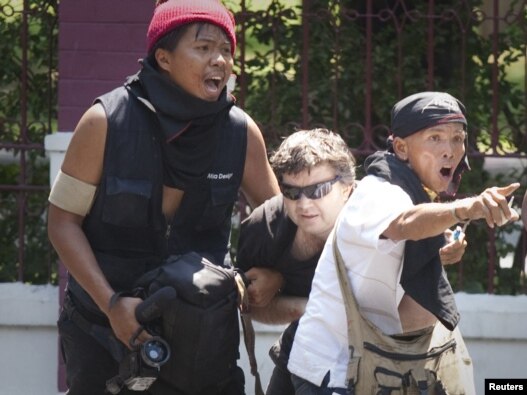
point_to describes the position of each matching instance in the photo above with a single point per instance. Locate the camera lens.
(155, 352)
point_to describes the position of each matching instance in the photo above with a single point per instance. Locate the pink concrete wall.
(100, 42)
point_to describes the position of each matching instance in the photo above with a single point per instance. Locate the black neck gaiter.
(189, 126)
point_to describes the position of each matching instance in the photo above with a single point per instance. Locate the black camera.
(139, 368)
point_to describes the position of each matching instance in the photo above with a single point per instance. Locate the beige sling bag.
(432, 361)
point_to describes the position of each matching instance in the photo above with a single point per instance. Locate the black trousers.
(280, 383)
(89, 365)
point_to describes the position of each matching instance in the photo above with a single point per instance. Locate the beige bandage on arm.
(71, 194)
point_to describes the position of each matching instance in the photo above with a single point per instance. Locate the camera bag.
(432, 361)
(201, 325)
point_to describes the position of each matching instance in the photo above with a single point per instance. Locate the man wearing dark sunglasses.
(391, 236)
(281, 241)
(313, 191)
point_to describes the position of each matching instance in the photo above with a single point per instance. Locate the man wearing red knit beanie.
(169, 15)
(153, 169)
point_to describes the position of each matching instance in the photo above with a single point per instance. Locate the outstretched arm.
(431, 219)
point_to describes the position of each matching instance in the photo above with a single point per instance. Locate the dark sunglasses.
(315, 191)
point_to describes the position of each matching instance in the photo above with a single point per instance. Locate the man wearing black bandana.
(394, 237)
(154, 168)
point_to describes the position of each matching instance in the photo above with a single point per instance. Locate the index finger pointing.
(509, 189)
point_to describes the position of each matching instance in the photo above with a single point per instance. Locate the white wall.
(28, 339)
(495, 331)
(494, 327)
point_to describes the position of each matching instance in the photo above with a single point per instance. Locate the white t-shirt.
(374, 268)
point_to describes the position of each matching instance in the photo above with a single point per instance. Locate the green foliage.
(337, 84)
(337, 32)
(28, 97)
(271, 65)
(40, 59)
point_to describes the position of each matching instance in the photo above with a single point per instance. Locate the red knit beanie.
(170, 14)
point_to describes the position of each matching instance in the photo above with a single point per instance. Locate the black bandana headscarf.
(426, 109)
(423, 276)
(189, 126)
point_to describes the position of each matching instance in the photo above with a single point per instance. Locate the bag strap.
(102, 334)
(353, 321)
(248, 330)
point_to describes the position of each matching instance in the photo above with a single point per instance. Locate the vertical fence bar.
(22, 180)
(399, 73)
(491, 250)
(241, 205)
(274, 125)
(430, 45)
(242, 43)
(495, 71)
(463, 66)
(368, 77)
(305, 62)
(335, 86)
(495, 131)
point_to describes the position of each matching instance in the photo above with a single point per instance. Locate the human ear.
(162, 59)
(347, 189)
(400, 147)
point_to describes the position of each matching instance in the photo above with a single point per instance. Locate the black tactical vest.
(125, 226)
(203, 220)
